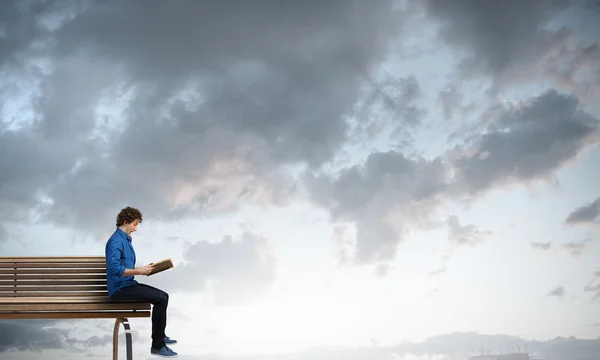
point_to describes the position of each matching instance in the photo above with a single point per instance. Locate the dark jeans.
(158, 298)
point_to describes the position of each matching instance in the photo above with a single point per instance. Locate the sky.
(332, 179)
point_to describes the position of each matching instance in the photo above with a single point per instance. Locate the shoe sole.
(169, 356)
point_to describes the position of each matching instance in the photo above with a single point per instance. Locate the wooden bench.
(70, 287)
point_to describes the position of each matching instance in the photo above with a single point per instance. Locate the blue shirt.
(119, 256)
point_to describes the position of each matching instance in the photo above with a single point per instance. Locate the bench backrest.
(45, 276)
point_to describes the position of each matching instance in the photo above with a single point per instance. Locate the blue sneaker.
(163, 351)
(168, 340)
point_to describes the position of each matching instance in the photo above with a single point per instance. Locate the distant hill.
(464, 345)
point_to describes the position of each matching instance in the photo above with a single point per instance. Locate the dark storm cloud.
(498, 33)
(526, 142)
(211, 101)
(282, 74)
(35, 335)
(367, 193)
(39, 335)
(28, 168)
(3, 233)
(205, 101)
(234, 269)
(515, 42)
(388, 106)
(452, 102)
(586, 214)
(390, 193)
(20, 24)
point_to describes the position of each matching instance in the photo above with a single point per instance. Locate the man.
(120, 273)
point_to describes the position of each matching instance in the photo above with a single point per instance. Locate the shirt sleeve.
(113, 259)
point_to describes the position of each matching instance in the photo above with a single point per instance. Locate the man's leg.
(158, 298)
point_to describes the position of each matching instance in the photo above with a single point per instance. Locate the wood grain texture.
(75, 315)
(43, 287)
(52, 259)
(74, 306)
(42, 271)
(12, 289)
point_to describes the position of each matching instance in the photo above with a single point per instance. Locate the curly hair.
(128, 215)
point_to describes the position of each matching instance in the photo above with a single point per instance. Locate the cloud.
(531, 46)
(388, 106)
(382, 270)
(28, 171)
(35, 335)
(442, 269)
(541, 246)
(559, 291)
(525, 141)
(458, 236)
(574, 248)
(593, 286)
(343, 244)
(3, 233)
(235, 270)
(384, 197)
(178, 121)
(391, 194)
(25, 22)
(451, 101)
(577, 248)
(29, 336)
(585, 214)
(464, 235)
(475, 25)
(204, 126)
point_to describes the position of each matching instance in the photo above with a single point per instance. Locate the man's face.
(132, 226)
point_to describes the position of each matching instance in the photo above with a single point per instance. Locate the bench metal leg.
(127, 338)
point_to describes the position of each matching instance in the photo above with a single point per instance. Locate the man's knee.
(164, 298)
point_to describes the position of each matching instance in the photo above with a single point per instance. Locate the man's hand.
(145, 270)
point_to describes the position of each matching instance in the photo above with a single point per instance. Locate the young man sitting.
(120, 273)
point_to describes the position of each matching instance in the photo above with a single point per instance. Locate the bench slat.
(74, 307)
(54, 288)
(20, 283)
(67, 287)
(52, 259)
(100, 270)
(58, 300)
(75, 315)
(53, 293)
(55, 266)
(53, 276)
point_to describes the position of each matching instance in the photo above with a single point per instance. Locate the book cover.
(161, 266)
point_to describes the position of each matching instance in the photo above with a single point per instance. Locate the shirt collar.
(122, 233)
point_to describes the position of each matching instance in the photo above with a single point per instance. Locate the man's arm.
(131, 272)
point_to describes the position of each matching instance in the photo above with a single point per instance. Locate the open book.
(161, 266)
